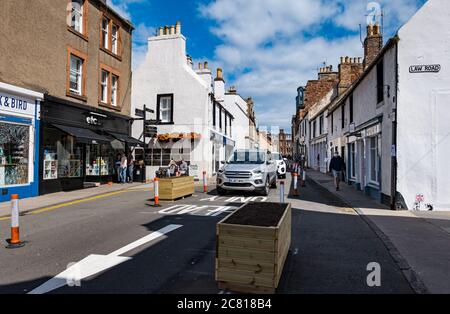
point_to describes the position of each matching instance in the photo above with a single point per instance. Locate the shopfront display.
(80, 145)
(19, 129)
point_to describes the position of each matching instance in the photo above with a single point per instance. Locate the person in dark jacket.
(337, 167)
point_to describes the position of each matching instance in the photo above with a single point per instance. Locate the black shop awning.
(127, 139)
(84, 135)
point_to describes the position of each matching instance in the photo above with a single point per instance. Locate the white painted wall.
(166, 71)
(424, 108)
(237, 106)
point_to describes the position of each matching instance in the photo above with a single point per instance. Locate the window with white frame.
(105, 33)
(114, 87)
(76, 75)
(165, 108)
(374, 160)
(115, 39)
(104, 86)
(76, 15)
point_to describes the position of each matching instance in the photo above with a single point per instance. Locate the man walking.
(337, 167)
(123, 169)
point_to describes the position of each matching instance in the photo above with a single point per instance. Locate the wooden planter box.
(252, 249)
(177, 187)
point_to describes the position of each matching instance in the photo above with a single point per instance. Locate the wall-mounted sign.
(433, 68)
(93, 120)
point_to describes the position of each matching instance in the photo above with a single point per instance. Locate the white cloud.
(271, 47)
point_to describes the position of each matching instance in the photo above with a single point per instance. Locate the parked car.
(281, 165)
(248, 170)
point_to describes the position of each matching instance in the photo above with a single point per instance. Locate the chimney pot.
(347, 59)
(200, 65)
(178, 28)
(172, 30)
(161, 31)
(342, 59)
(370, 30)
(206, 65)
(166, 30)
(219, 74)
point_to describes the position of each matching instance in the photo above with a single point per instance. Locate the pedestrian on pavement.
(123, 168)
(337, 168)
(130, 169)
(117, 165)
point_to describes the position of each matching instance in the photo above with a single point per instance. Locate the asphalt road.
(331, 246)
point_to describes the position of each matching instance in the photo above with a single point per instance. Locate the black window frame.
(380, 81)
(158, 111)
(343, 117)
(351, 108)
(214, 114)
(220, 118)
(332, 122)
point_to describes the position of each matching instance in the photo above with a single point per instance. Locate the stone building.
(78, 54)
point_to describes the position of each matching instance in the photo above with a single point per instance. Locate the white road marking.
(144, 240)
(94, 264)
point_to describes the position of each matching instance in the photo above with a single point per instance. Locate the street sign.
(151, 131)
(140, 113)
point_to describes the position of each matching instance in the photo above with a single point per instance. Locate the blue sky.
(267, 48)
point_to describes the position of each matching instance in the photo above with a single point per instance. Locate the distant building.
(285, 144)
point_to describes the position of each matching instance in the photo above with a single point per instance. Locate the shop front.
(80, 145)
(19, 139)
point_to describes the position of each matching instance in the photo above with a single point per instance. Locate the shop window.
(165, 108)
(100, 160)
(14, 154)
(161, 157)
(374, 160)
(62, 156)
(77, 16)
(353, 160)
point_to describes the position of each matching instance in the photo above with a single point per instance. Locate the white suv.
(281, 165)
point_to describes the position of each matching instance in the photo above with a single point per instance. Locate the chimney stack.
(373, 44)
(349, 71)
(178, 28)
(219, 85)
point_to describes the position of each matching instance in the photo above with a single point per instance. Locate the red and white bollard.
(281, 192)
(156, 192)
(15, 242)
(205, 183)
(296, 184)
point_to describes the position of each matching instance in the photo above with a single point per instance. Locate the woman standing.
(130, 170)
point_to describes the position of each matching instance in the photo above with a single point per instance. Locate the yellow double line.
(84, 200)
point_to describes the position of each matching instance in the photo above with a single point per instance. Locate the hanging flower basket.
(163, 137)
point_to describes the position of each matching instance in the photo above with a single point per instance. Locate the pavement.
(47, 201)
(120, 243)
(418, 241)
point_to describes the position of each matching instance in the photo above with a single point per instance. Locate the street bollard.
(205, 184)
(15, 242)
(296, 184)
(156, 192)
(281, 192)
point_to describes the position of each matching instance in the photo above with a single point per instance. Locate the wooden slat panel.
(246, 267)
(267, 245)
(246, 231)
(244, 279)
(249, 255)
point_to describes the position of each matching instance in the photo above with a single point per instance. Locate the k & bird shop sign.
(433, 68)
